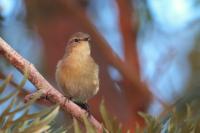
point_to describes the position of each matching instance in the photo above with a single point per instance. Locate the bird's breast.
(78, 77)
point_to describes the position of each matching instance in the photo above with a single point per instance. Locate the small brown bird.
(77, 74)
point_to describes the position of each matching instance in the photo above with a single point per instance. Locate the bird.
(77, 74)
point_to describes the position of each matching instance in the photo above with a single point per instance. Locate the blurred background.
(148, 50)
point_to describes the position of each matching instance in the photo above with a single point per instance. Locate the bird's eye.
(76, 40)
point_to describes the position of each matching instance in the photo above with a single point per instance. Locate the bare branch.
(42, 84)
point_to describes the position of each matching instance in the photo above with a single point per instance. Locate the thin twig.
(24, 91)
(43, 85)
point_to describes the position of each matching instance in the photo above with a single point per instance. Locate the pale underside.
(77, 76)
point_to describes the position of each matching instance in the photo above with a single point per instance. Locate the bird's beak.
(87, 39)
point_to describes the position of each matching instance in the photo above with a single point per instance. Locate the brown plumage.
(77, 72)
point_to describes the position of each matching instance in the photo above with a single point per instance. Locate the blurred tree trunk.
(55, 24)
(128, 24)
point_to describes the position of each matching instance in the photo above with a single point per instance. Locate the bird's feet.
(84, 106)
(66, 100)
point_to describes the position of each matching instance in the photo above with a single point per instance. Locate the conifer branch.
(42, 85)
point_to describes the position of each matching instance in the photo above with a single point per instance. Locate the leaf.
(26, 123)
(153, 125)
(76, 126)
(137, 129)
(111, 123)
(7, 97)
(41, 124)
(89, 127)
(189, 111)
(5, 83)
(23, 81)
(6, 111)
(106, 118)
(27, 105)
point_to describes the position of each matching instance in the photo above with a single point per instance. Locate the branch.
(129, 30)
(42, 84)
(24, 91)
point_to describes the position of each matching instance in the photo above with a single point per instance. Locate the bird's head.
(79, 42)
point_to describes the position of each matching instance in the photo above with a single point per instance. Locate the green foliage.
(181, 120)
(184, 118)
(76, 126)
(18, 119)
(110, 123)
(153, 124)
(88, 126)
